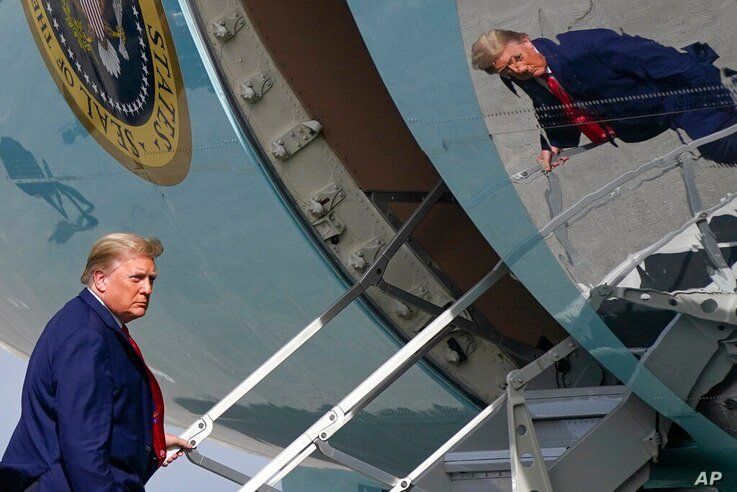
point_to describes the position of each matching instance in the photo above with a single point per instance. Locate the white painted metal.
(203, 427)
(255, 87)
(525, 458)
(519, 379)
(356, 464)
(226, 27)
(305, 174)
(342, 413)
(295, 139)
(406, 482)
(667, 160)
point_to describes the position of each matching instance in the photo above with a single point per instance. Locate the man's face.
(126, 288)
(520, 61)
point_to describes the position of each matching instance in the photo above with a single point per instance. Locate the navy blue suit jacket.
(641, 88)
(86, 408)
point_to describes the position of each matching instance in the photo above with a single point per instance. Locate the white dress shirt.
(120, 325)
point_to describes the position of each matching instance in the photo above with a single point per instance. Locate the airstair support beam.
(204, 425)
(481, 461)
(355, 464)
(705, 323)
(371, 387)
(220, 469)
(529, 473)
(627, 437)
(518, 350)
(630, 432)
(517, 380)
(631, 414)
(719, 307)
(410, 481)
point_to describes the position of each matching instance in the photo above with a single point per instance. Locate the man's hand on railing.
(178, 442)
(549, 159)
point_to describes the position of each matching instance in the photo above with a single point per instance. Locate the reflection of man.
(608, 85)
(92, 411)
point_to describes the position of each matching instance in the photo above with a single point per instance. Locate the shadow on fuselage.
(30, 177)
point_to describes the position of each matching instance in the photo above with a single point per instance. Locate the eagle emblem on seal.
(116, 64)
(96, 31)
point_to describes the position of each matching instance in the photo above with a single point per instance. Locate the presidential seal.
(115, 63)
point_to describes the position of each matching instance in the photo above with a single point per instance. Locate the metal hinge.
(406, 310)
(295, 139)
(325, 200)
(330, 227)
(254, 88)
(226, 27)
(460, 346)
(366, 254)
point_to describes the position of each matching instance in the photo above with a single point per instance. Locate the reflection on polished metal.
(588, 202)
(667, 161)
(722, 276)
(531, 173)
(554, 197)
(720, 272)
(203, 427)
(720, 307)
(370, 388)
(639, 257)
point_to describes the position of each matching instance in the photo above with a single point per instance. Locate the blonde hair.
(490, 45)
(118, 246)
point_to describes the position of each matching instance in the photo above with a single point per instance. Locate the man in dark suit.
(608, 85)
(92, 411)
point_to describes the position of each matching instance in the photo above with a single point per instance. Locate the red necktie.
(596, 132)
(158, 400)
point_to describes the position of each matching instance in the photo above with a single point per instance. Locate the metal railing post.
(365, 392)
(203, 426)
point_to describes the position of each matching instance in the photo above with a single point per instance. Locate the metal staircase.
(526, 440)
(565, 439)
